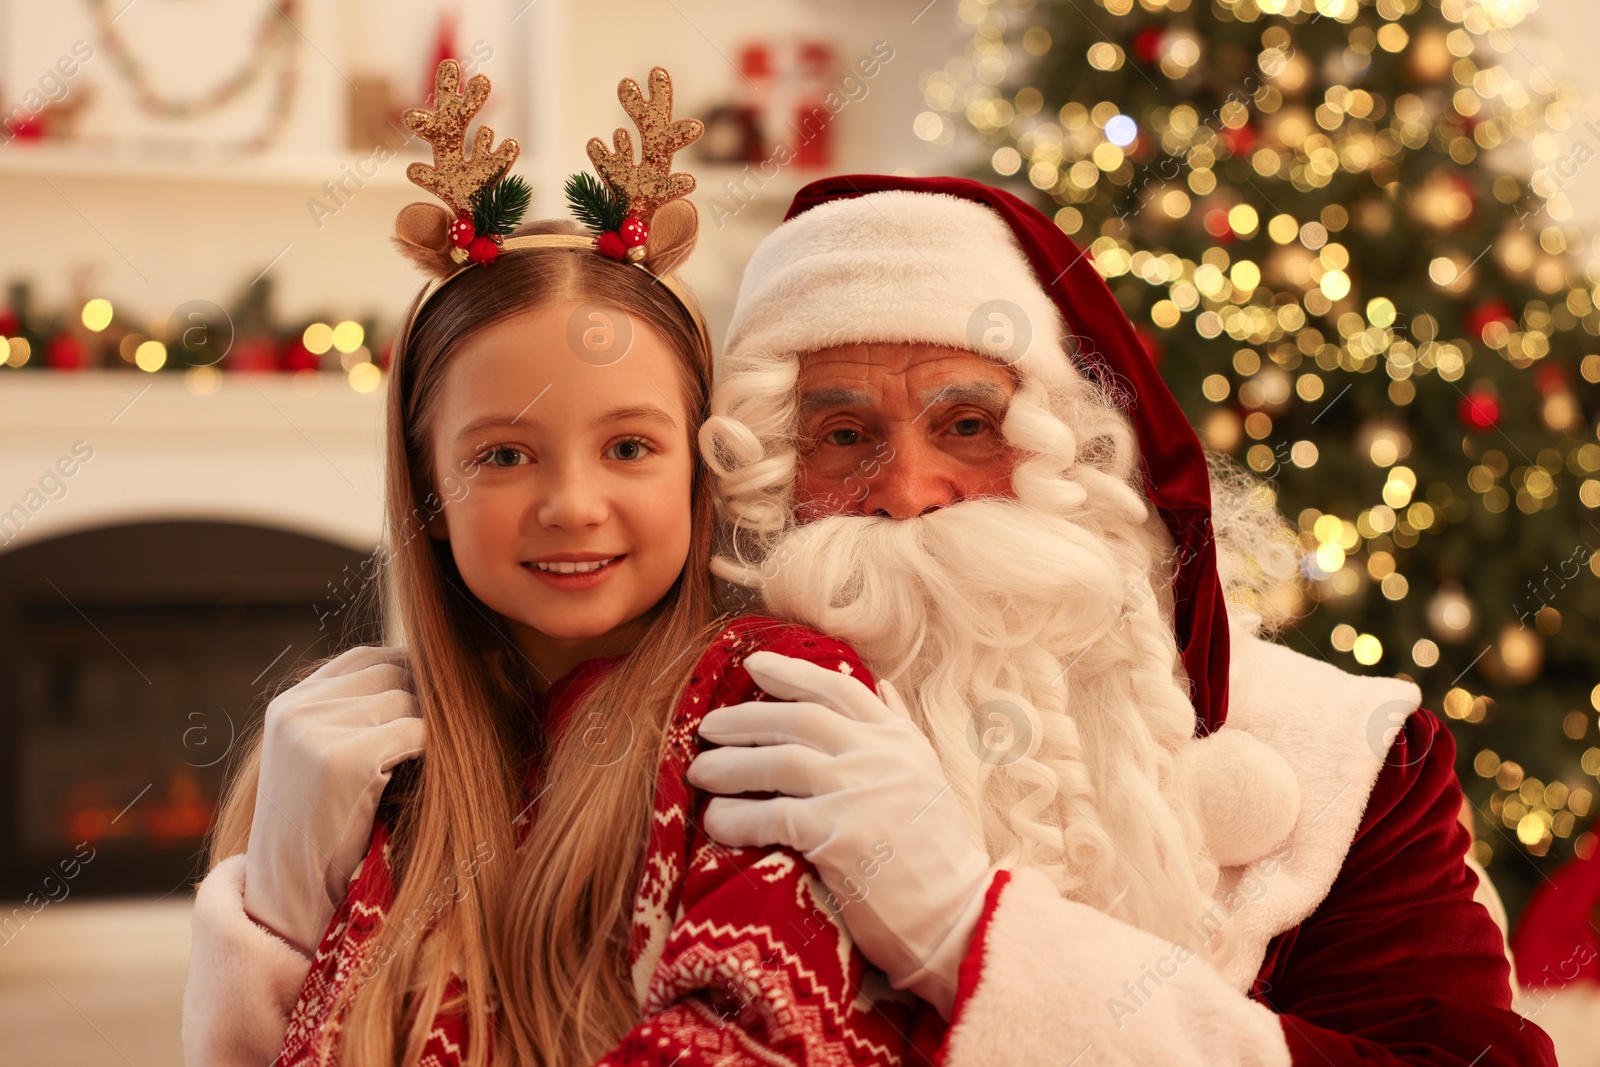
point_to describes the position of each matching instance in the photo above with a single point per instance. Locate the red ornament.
(66, 352)
(483, 250)
(1550, 378)
(1217, 225)
(611, 244)
(1147, 45)
(1479, 410)
(634, 232)
(1240, 141)
(1487, 313)
(461, 232)
(8, 322)
(296, 356)
(257, 355)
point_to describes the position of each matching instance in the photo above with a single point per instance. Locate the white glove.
(329, 746)
(867, 804)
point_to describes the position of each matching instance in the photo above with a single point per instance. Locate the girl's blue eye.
(629, 450)
(504, 456)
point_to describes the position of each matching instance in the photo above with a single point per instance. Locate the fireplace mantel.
(258, 451)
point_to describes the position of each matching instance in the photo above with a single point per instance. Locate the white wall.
(155, 236)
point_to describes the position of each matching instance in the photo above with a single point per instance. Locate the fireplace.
(139, 660)
(174, 556)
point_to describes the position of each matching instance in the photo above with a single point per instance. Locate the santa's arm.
(1397, 966)
(243, 980)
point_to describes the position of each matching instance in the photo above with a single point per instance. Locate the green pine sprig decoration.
(498, 210)
(594, 204)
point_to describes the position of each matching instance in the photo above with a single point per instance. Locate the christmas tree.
(1322, 218)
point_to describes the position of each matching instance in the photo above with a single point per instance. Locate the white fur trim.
(1063, 996)
(1247, 795)
(1334, 729)
(243, 982)
(895, 266)
(1055, 959)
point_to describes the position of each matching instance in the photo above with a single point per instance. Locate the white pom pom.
(1247, 795)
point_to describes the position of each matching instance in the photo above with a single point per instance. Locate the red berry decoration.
(634, 232)
(461, 232)
(1479, 410)
(611, 244)
(483, 250)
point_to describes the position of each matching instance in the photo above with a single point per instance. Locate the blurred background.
(1356, 235)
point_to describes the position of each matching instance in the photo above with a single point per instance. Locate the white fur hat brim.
(896, 266)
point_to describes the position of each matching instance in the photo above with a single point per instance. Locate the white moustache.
(996, 572)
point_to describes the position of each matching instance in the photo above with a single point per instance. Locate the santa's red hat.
(874, 258)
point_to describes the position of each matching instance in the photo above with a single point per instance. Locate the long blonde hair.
(547, 925)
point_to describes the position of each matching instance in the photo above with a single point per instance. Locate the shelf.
(280, 168)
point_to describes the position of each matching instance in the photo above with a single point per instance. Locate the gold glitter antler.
(454, 178)
(649, 183)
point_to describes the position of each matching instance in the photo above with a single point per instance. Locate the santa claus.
(1123, 826)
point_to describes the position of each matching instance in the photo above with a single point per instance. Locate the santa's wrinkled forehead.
(815, 400)
(924, 375)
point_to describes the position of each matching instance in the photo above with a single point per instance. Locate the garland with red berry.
(497, 211)
(619, 234)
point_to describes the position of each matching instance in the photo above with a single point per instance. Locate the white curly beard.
(1032, 652)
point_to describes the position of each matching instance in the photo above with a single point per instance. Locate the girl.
(537, 889)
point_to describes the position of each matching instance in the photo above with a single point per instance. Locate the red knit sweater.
(754, 964)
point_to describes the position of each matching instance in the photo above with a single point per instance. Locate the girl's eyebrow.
(641, 412)
(638, 412)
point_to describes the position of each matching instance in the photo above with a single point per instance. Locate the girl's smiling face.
(575, 518)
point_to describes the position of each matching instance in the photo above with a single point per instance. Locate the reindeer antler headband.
(638, 214)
